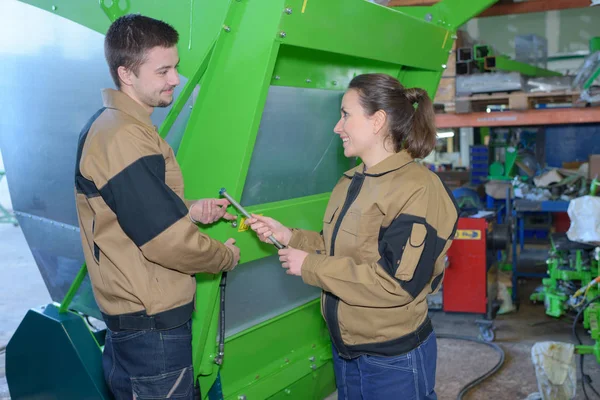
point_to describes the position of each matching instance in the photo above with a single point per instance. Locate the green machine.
(572, 286)
(503, 151)
(504, 171)
(263, 84)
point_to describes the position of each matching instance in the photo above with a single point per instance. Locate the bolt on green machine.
(264, 84)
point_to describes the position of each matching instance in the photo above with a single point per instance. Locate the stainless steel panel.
(296, 152)
(261, 290)
(53, 71)
(57, 251)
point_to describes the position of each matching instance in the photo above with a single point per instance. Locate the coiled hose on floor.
(483, 377)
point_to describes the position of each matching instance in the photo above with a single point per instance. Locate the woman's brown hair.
(410, 115)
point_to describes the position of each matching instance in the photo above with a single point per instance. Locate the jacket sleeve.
(309, 241)
(130, 175)
(408, 249)
(188, 203)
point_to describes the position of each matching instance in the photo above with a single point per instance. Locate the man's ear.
(125, 76)
(379, 121)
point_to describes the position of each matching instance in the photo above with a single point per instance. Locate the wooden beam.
(523, 7)
(557, 116)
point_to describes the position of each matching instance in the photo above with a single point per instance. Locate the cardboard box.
(498, 189)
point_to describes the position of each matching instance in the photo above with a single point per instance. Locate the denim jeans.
(410, 376)
(150, 364)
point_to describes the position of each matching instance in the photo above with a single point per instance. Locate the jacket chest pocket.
(359, 235)
(330, 213)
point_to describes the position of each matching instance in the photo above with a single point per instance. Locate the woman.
(386, 230)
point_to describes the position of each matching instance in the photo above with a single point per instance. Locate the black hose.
(222, 285)
(483, 377)
(584, 378)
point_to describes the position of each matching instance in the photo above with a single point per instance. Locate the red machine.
(465, 281)
(470, 283)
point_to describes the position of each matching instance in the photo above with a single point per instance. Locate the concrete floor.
(21, 288)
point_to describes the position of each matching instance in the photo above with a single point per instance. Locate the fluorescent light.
(444, 135)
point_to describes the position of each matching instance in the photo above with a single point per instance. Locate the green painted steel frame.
(236, 58)
(591, 322)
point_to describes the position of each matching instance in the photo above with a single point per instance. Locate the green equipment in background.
(572, 286)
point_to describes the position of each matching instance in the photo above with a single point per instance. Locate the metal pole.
(245, 213)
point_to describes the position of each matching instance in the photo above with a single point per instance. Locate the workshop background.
(516, 88)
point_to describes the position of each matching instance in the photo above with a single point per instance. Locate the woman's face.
(356, 129)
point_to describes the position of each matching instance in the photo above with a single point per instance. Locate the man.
(140, 240)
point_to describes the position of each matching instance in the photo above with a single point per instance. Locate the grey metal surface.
(53, 71)
(56, 250)
(261, 290)
(488, 83)
(549, 83)
(296, 152)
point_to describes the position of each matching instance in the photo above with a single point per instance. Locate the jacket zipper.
(330, 303)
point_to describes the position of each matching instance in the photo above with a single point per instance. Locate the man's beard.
(163, 104)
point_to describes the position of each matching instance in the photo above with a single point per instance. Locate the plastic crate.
(479, 161)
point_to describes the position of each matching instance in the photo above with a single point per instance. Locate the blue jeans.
(149, 364)
(410, 376)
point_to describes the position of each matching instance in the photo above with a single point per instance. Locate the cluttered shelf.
(560, 106)
(519, 118)
(483, 88)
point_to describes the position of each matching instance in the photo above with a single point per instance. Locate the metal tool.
(245, 213)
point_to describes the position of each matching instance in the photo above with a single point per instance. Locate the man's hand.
(207, 211)
(230, 243)
(265, 227)
(292, 260)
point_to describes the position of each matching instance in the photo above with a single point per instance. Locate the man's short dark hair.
(130, 37)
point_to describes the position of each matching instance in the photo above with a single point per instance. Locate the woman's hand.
(292, 260)
(265, 227)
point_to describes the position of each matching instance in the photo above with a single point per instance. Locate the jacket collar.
(120, 101)
(392, 163)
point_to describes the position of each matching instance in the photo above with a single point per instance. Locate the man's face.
(157, 77)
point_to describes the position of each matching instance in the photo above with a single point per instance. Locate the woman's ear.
(379, 121)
